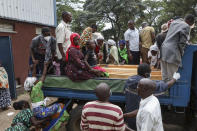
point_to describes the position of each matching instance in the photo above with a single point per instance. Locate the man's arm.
(126, 37)
(60, 47)
(84, 122)
(128, 129)
(33, 45)
(161, 86)
(53, 48)
(44, 71)
(184, 34)
(153, 35)
(36, 122)
(120, 125)
(176, 76)
(131, 114)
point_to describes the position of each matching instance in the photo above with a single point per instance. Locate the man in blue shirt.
(133, 100)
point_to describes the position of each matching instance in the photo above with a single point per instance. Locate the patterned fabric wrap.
(105, 73)
(3, 78)
(85, 36)
(5, 99)
(22, 121)
(43, 112)
(18, 127)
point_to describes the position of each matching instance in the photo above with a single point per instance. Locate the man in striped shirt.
(101, 115)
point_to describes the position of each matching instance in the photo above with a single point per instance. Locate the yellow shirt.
(146, 36)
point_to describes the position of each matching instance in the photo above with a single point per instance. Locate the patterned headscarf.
(73, 35)
(122, 42)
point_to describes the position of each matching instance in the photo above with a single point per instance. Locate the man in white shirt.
(63, 32)
(132, 42)
(149, 114)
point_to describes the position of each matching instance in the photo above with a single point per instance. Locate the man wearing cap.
(161, 36)
(174, 45)
(132, 43)
(147, 38)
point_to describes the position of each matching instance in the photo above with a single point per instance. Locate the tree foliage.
(118, 12)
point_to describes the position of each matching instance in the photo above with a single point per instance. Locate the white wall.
(35, 11)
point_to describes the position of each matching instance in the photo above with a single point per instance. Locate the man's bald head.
(146, 87)
(103, 92)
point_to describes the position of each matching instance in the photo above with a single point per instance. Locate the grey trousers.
(168, 70)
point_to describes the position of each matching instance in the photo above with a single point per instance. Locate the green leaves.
(119, 12)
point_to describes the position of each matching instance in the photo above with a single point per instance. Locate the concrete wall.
(21, 40)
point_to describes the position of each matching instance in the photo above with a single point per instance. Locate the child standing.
(57, 71)
(122, 52)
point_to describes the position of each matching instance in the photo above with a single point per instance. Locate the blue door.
(6, 59)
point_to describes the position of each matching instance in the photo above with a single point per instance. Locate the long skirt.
(5, 99)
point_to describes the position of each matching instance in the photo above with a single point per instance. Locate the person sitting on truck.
(42, 49)
(123, 55)
(101, 114)
(77, 69)
(91, 58)
(149, 114)
(34, 87)
(113, 53)
(172, 49)
(132, 99)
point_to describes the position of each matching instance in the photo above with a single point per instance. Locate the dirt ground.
(8, 115)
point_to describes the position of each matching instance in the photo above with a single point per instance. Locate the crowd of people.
(78, 57)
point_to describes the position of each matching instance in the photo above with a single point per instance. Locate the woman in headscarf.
(76, 68)
(123, 52)
(5, 99)
(113, 54)
(24, 119)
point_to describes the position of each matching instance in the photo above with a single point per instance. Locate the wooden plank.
(123, 76)
(118, 66)
(125, 71)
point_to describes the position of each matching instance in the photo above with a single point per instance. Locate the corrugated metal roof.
(34, 11)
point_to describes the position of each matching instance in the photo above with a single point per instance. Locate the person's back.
(132, 100)
(149, 108)
(146, 37)
(102, 116)
(176, 37)
(113, 58)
